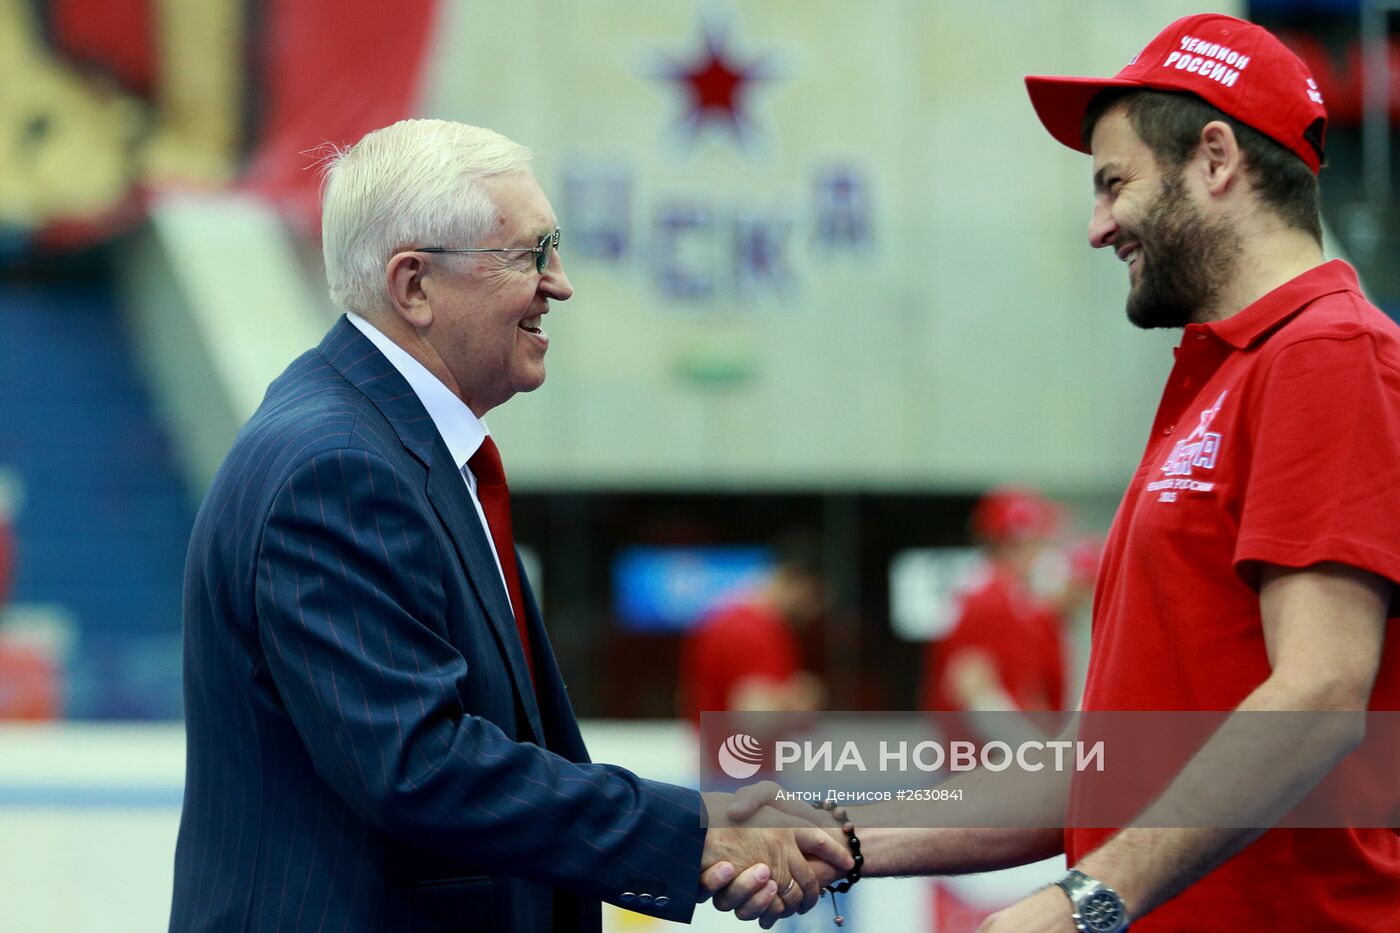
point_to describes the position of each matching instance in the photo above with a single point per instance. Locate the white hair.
(410, 184)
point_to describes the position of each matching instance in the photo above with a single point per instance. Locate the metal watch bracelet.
(1097, 908)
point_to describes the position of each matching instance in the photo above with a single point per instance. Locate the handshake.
(777, 864)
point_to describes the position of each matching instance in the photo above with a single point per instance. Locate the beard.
(1186, 260)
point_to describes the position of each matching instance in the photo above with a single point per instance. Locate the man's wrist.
(1096, 908)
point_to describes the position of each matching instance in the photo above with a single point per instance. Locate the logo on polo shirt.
(1200, 449)
(1197, 452)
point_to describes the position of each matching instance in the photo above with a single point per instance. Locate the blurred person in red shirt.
(746, 654)
(1007, 650)
(1007, 653)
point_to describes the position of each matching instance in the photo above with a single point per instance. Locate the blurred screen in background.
(670, 589)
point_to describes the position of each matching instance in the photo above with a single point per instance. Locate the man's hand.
(770, 872)
(749, 800)
(1045, 911)
(765, 801)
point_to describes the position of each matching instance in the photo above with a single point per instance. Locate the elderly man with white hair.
(379, 735)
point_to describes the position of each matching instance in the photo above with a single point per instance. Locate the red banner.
(121, 99)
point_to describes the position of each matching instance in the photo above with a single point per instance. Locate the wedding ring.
(784, 891)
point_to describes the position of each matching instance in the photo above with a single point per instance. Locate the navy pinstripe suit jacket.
(365, 750)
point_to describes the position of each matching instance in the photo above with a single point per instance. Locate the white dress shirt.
(459, 426)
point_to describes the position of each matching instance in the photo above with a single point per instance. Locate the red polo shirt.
(736, 642)
(1277, 442)
(1017, 632)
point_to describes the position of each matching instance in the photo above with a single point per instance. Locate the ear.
(406, 276)
(1219, 156)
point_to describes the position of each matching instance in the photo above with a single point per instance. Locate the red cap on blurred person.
(1012, 513)
(1237, 67)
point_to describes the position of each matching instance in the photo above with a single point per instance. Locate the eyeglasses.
(543, 250)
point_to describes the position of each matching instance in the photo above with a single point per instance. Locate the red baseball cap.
(1237, 67)
(1012, 513)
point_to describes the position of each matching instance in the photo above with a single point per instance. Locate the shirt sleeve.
(1323, 482)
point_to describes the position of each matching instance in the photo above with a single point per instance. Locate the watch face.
(1101, 912)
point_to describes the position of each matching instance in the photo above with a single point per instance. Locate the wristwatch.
(1097, 909)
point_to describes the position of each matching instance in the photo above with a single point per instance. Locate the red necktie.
(494, 496)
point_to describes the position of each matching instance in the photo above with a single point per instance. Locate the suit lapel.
(360, 362)
(556, 712)
(448, 493)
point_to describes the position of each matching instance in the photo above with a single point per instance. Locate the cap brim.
(1061, 102)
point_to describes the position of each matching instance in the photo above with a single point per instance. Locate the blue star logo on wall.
(715, 83)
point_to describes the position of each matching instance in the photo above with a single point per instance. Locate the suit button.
(627, 897)
(662, 901)
(643, 898)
